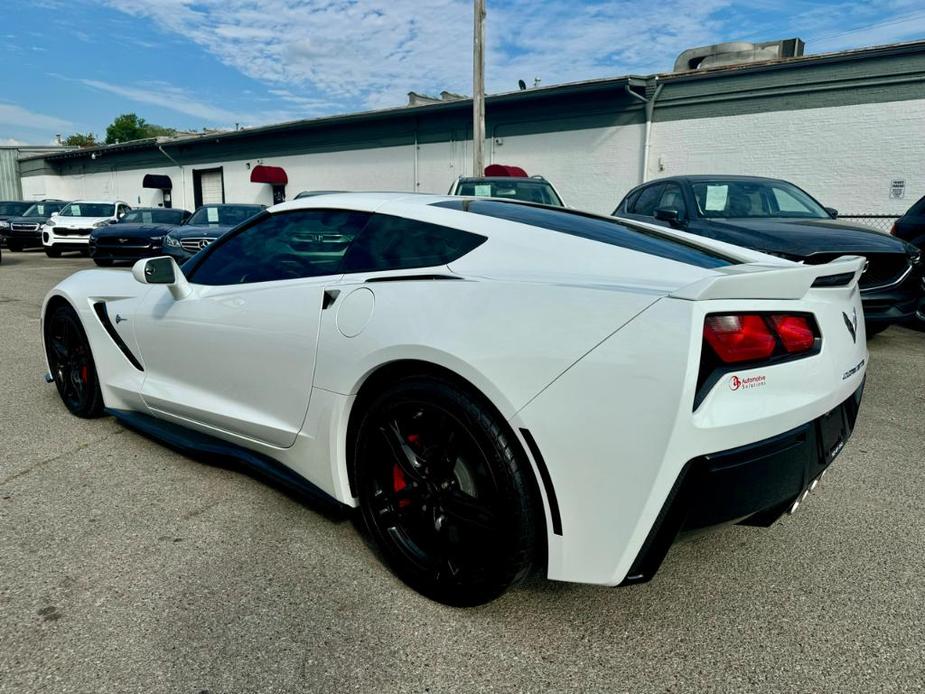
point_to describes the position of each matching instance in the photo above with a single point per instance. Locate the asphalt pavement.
(127, 567)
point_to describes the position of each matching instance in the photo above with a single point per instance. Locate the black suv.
(25, 230)
(8, 209)
(776, 217)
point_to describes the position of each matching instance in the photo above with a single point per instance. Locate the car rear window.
(593, 228)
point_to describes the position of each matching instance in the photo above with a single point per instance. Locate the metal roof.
(551, 91)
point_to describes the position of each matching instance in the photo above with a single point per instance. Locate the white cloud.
(11, 142)
(166, 96)
(15, 116)
(332, 54)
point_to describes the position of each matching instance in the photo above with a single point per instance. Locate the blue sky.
(73, 65)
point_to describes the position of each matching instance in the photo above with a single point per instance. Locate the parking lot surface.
(127, 567)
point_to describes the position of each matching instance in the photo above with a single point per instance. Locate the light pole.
(478, 89)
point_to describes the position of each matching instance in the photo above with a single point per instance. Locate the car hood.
(79, 222)
(132, 229)
(199, 231)
(803, 237)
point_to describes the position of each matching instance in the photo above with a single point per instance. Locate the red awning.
(505, 170)
(274, 175)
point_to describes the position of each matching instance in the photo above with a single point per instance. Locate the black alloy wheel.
(71, 363)
(445, 494)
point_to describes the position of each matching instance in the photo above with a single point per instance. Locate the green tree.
(129, 126)
(81, 140)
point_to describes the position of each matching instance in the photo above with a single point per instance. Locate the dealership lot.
(129, 567)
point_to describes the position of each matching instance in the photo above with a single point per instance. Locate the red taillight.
(739, 337)
(795, 332)
(893, 229)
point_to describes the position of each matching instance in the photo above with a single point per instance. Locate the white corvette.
(499, 387)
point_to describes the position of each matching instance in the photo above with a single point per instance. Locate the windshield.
(154, 216)
(755, 199)
(43, 209)
(223, 215)
(528, 190)
(88, 209)
(13, 209)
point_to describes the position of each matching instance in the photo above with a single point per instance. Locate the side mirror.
(667, 214)
(163, 270)
(833, 213)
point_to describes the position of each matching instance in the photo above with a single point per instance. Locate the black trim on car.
(752, 485)
(555, 517)
(261, 466)
(839, 280)
(413, 278)
(103, 314)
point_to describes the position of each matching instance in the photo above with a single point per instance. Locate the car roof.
(98, 202)
(502, 179)
(713, 177)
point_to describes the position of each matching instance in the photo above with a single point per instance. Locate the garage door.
(211, 182)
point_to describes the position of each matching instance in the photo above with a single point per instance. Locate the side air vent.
(100, 308)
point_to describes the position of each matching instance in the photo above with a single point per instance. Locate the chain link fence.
(880, 222)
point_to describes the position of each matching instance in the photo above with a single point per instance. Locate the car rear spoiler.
(760, 281)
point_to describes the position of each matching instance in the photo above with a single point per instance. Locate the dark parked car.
(8, 209)
(25, 230)
(776, 217)
(139, 234)
(911, 228)
(207, 224)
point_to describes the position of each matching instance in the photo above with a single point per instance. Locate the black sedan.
(776, 217)
(207, 224)
(25, 230)
(911, 228)
(139, 234)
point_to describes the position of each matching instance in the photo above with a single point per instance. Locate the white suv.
(69, 229)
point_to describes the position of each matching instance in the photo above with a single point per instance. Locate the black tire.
(71, 362)
(875, 329)
(445, 492)
(85, 252)
(14, 246)
(52, 252)
(103, 262)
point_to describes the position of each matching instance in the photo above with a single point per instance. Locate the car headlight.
(4, 224)
(104, 223)
(49, 224)
(915, 258)
(171, 241)
(157, 239)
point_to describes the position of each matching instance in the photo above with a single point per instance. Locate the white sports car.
(499, 387)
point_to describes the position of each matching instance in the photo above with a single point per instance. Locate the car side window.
(629, 203)
(673, 198)
(395, 243)
(648, 200)
(286, 245)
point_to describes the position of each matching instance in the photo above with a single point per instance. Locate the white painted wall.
(844, 156)
(588, 167)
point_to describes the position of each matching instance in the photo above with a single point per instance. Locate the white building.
(848, 127)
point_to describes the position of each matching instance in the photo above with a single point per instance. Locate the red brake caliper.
(84, 374)
(399, 482)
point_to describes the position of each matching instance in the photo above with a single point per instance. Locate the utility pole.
(478, 90)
